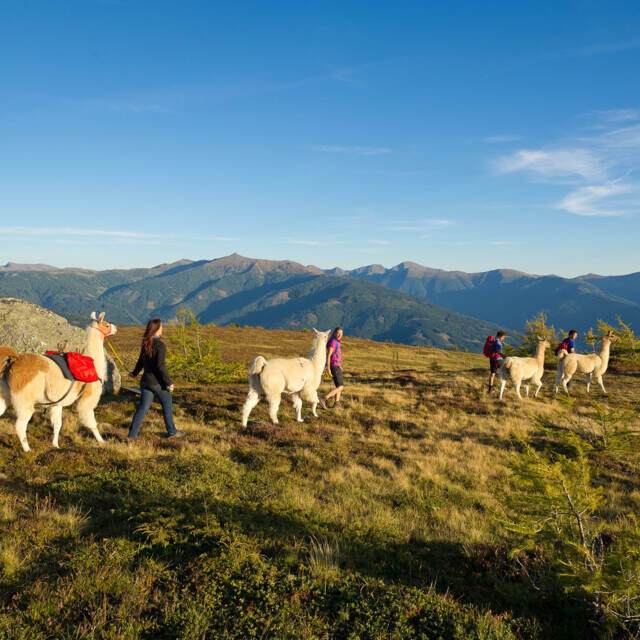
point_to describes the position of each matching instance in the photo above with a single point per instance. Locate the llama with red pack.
(58, 380)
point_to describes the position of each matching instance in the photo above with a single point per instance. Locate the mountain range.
(407, 303)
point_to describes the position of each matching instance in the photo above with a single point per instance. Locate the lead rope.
(116, 355)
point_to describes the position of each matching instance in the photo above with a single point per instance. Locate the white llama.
(298, 377)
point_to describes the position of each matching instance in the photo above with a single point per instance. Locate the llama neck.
(540, 354)
(318, 357)
(95, 349)
(604, 353)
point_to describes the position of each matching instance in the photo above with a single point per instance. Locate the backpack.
(487, 350)
(82, 367)
(564, 345)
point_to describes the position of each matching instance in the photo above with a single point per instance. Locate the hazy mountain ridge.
(236, 289)
(407, 303)
(509, 297)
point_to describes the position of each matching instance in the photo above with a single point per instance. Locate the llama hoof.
(299, 420)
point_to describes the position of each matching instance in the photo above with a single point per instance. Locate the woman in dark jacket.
(155, 383)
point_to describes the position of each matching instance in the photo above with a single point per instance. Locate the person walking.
(334, 367)
(155, 382)
(494, 349)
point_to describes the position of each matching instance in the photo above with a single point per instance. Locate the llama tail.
(508, 363)
(256, 367)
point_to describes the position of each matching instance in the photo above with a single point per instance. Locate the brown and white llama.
(593, 364)
(29, 380)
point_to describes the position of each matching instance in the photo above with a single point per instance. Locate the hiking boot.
(337, 404)
(323, 404)
(177, 434)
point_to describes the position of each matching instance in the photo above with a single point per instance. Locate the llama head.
(100, 324)
(321, 336)
(543, 342)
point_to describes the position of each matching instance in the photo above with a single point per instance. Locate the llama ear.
(93, 315)
(101, 317)
(315, 330)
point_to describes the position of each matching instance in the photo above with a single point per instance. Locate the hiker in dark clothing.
(155, 383)
(496, 357)
(569, 343)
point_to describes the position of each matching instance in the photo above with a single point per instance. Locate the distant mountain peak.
(16, 266)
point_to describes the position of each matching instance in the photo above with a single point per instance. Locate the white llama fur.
(592, 364)
(31, 380)
(298, 377)
(526, 370)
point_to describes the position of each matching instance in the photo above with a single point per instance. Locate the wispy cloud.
(501, 138)
(124, 105)
(598, 200)
(615, 116)
(602, 48)
(599, 165)
(120, 236)
(75, 231)
(352, 150)
(556, 164)
(314, 243)
(420, 224)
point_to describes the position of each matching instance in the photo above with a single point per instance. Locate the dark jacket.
(155, 368)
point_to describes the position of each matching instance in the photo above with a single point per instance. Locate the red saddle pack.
(82, 367)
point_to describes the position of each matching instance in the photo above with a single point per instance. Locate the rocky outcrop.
(28, 327)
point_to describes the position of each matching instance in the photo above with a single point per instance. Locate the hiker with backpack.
(569, 343)
(494, 350)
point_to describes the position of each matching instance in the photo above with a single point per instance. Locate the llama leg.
(274, 405)
(538, 387)
(55, 415)
(297, 404)
(23, 416)
(517, 386)
(526, 389)
(557, 384)
(88, 419)
(3, 405)
(503, 384)
(311, 396)
(601, 383)
(252, 400)
(589, 382)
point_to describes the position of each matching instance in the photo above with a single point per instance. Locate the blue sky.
(468, 135)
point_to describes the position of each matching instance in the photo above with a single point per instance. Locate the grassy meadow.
(421, 509)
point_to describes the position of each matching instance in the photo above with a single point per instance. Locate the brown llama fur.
(6, 355)
(30, 380)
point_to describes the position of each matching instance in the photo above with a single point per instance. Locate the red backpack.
(564, 345)
(82, 367)
(487, 350)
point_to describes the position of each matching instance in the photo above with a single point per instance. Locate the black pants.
(338, 378)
